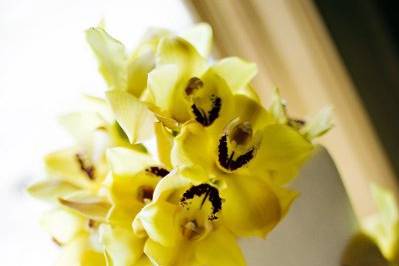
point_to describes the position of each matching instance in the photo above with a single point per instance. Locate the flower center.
(145, 193)
(191, 230)
(209, 193)
(236, 140)
(205, 108)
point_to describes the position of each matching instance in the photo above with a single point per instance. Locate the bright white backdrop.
(45, 65)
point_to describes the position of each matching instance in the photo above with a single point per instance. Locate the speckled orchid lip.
(209, 192)
(239, 134)
(203, 116)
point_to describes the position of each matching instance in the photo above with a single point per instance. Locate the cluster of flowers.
(177, 162)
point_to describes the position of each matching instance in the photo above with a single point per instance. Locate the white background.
(45, 65)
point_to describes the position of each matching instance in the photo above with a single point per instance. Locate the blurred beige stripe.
(293, 50)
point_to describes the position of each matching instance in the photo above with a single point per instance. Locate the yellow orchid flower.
(183, 86)
(383, 227)
(182, 228)
(129, 73)
(243, 160)
(134, 176)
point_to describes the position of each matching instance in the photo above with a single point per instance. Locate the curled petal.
(320, 124)
(132, 115)
(111, 56)
(80, 251)
(158, 221)
(90, 206)
(193, 152)
(122, 246)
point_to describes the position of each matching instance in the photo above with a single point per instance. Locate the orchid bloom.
(383, 227)
(183, 226)
(131, 184)
(249, 157)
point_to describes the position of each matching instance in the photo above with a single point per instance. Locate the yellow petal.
(219, 248)
(125, 161)
(62, 225)
(200, 36)
(64, 165)
(167, 256)
(111, 56)
(237, 72)
(80, 251)
(93, 207)
(318, 125)
(158, 219)
(52, 189)
(164, 144)
(162, 83)
(281, 147)
(177, 51)
(278, 108)
(251, 208)
(121, 245)
(132, 115)
(383, 226)
(193, 153)
(138, 69)
(81, 125)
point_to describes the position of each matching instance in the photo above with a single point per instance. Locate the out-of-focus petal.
(320, 124)
(237, 72)
(52, 189)
(62, 225)
(111, 56)
(200, 36)
(138, 69)
(164, 144)
(80, 251)
(162, 84)
(132, 115)
(125, 161)
(122, 246)
(90, 206)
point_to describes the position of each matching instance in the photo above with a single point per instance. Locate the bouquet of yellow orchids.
(178, 161)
